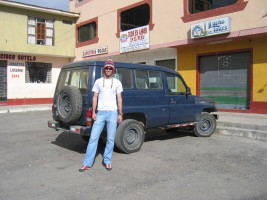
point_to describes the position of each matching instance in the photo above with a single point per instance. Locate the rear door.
(181, 106)
(143, 93)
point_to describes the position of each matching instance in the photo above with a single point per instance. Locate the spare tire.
(69, 104)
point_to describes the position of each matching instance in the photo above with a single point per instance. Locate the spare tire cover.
(69, 104)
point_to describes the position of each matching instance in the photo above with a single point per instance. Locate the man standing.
(107, 98)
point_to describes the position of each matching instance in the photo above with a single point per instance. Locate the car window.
(175, 85)
(125, 76)
(155, 80)
(141, 79)
(78, 78)
(148, 79)
(63, 79)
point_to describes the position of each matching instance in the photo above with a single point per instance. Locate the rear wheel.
(130, 136)
(205, 126)
(69, 104)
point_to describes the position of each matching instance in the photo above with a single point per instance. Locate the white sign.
(134, 39)
(209, 28)
(97, 51)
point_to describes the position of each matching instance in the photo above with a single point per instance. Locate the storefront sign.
(211, 27)
(94, 52)
(19, 57)
(16, 72)
(134, 39)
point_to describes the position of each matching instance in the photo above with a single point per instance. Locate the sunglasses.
(108, 68)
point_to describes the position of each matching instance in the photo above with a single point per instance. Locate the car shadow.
(75, 143)
(159, 134)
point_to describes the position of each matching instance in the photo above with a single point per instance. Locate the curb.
(242, 132)
(16, 110)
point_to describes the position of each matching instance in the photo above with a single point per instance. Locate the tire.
(205, 126)
(130, 136)
(69, 104)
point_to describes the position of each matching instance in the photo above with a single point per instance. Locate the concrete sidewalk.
(25, 108)
(252, 126)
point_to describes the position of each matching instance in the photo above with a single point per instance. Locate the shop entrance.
(226, 79)
(3, 80)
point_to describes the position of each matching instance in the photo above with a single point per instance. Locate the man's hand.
(94, 116)
(119, 118)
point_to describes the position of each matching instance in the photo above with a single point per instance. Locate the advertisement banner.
(134, 39)
(211, 27)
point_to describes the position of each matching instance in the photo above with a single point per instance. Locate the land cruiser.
(153, 97)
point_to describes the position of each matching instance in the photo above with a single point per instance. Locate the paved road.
(39, 163)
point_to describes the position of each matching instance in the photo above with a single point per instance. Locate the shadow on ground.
(76, 143)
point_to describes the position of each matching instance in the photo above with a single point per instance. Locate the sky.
(57, 4)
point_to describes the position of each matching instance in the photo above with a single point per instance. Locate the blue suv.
(153, 97)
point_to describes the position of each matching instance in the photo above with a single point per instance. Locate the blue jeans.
(102, 117)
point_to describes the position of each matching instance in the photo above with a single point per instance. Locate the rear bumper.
(80, 130)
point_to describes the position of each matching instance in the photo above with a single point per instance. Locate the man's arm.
(119, 100)
(94, 103)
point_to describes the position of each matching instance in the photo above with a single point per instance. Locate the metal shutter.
(3, 80)
(225, 79)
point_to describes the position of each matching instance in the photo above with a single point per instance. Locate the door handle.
(173, 101)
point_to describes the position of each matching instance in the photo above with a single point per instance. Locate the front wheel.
(206, 125)
(130, 136)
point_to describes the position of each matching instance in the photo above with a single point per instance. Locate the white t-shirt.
(107, 95)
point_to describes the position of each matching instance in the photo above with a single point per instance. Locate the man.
(107, 98)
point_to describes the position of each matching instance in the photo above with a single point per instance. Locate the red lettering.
(130, 33)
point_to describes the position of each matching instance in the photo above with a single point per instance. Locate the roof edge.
(39, 8)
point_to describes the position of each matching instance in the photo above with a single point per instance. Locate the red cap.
(109, 63)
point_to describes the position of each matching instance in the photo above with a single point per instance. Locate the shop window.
(201, 9)
(37, 72)
(135, 17)
(40, 31)
(196, 6)
(86, 32)
(170, 63)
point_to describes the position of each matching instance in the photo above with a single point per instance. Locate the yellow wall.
(187, 62)
(13, 29)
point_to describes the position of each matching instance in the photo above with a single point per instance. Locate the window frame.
(34, 27)
(28, 77)
(188, 17)
(88, 42)
(119, 11)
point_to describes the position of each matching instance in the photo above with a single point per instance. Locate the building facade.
(218, 46)
(35, 42)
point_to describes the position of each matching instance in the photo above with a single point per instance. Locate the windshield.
(75, 77)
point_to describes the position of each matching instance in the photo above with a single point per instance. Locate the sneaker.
(83, 168)
(108, 167)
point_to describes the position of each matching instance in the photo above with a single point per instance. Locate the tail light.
(89, 117)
